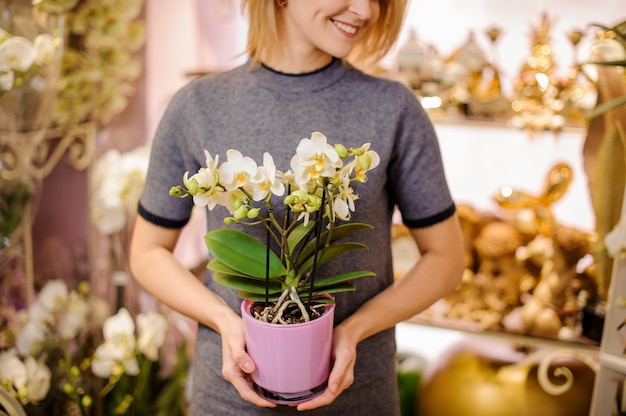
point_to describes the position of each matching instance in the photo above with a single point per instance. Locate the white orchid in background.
(27, 380)
(118, 353)
(615, 240)
(68, 345)
(152, 329)
(117, 182)
(56, 312)
(20, 57)
(54, 320)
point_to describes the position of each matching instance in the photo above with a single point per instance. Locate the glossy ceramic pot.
(292, 361)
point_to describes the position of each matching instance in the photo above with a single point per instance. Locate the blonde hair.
(375, 43)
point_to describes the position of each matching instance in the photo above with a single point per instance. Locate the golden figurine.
(557, 182)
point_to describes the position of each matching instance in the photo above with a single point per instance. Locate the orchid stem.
(318, 233)
(267, 263)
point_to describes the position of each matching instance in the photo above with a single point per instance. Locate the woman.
(298, 81)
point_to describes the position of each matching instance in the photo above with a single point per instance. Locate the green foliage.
(14, 198)
(240, 262)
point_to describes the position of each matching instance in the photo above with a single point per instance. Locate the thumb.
(244, 362)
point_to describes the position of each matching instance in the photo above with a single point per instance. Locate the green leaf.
(330, 253)
(299, 233)
(343, 287)
(608, 63)
(338, 233)
(257, 297)
(606, 107)
(342, 278)
(246, 284)
(243, 253)
(217, 266)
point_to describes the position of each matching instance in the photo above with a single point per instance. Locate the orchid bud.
(176, 191)
(253, 213)
(300, 195)
(289, 199)
(241, 212)
(192, 186)
(341, 150)
(228, 220)
(84, 288)
(358, 151)
(86, 401)
(22, 394)
(364, 161)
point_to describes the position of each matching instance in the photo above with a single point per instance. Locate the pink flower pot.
(292, 361)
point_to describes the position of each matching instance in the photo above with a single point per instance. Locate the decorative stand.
(29, 157)
(9, 406)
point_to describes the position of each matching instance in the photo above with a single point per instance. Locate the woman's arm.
(438, 272)
(157, 270)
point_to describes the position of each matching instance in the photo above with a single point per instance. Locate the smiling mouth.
(349, 29)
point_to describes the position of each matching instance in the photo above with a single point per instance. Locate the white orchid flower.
(12, 370)
(152, 329)
(53, 296)
(204, 184)
(7, 79)
(117, 354)
(314, 158)
(134, 168)
(117, 181)
(31, 338)
(44, 48)
(266, 180)
(120, 328)
(18, 53)
(75, 317)
(38, 377)
(344, 201)
(366, 161)
(237, 171)
(40, 314)
(110, 359)
(615, 240)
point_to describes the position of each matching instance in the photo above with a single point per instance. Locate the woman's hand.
(342, 372)
(237, 364)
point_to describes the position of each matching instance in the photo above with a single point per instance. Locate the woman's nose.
(361, 8)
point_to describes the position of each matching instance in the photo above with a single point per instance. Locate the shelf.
(583, 344)
(439, 117)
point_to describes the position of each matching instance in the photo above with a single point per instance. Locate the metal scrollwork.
(546, 358)
(31, 156)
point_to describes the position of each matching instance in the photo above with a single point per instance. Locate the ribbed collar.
(299, 83)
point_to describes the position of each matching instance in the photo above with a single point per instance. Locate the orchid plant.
(316, 193)
(69, 355)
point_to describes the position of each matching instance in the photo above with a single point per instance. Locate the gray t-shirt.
(261, 110)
